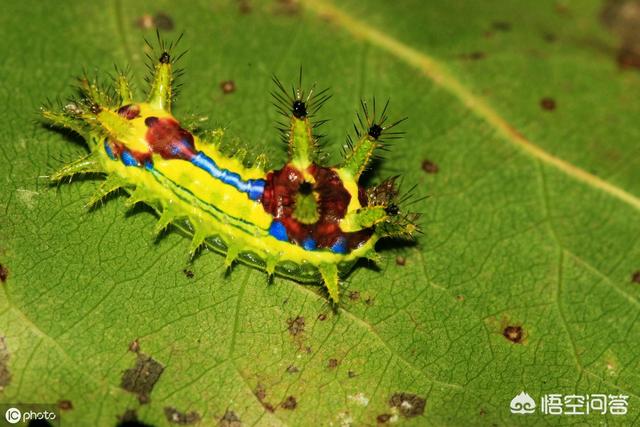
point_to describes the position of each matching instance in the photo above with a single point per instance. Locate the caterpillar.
(305, 221)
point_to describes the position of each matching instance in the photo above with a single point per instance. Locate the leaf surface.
(522, 280)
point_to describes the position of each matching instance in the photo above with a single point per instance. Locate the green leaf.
(522, 280)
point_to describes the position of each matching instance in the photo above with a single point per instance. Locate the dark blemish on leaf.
(188, 273)
(332, 363)
(134, 346)
(429, 167)
(460, 297)
(5, 375)
(228, 86)
(65, 405)
(163, 21)
(142, 377)
(230, 419)
(368, 301)
(549, 37)
(4, 273)
(409, 405)
(289, 403)
(482, 412)
(296, 326)
(513, 334)
(473, 56)
(261, 394)
(351, 374)
(244, 7)
(501, 26)
(322, 317)
(183, 418)
(400, 260)
(383, 418)
(354, 295)
(292, 369)
(130, 419)
(622, 18)
(635, 277)
(548, 104)
(287, 7)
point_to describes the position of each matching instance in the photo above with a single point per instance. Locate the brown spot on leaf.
(5, 375)
(400, 260)
(549, 37)
(622, 18)
(429, 167)
(289, 403)
(244, 7)
(296, 326)
(230, 419)
(501, 26)
(383, 418)
(65, 405)
(160, 20)
(292, 369)
(460, 297)
(548, 104)
(163, 21)
(142, 377)
(228, 86)
(188, 273)
(409, 405)
(333, 363)
(473, 56)
(287, 7)
(635, 277)
(261, 394)
(130, 419)
(4, 273)
(183, 418)
(351, 374)
(354, 295)
(322, 317)
(134, 346)
(513, 334)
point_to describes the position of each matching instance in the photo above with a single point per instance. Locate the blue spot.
(278, 230)
(309, 244)
(256, 188)
(108, 149)
(128, 159)
(148, 165)
(340, 246)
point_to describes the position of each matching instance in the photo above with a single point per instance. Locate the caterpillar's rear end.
(306, 221)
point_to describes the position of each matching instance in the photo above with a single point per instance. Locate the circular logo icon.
(13, 415)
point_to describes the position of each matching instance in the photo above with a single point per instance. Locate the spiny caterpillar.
(306, 221)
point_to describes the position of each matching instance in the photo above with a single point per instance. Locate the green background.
(512, 237)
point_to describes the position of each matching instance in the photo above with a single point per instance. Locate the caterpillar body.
(306, 221)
